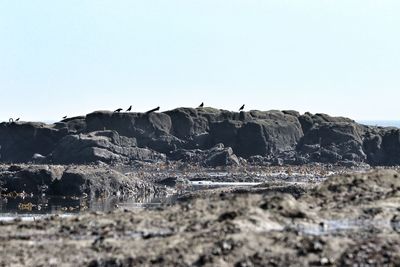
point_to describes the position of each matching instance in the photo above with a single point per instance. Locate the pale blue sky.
(71, 57)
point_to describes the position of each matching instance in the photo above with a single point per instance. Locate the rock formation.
(187, 134)
(57, 180)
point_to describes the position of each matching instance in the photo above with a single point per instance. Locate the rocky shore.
(293, 190)
(205, 136)
(74, 181)
(347, 220)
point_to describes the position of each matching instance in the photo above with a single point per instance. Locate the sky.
(340, 57)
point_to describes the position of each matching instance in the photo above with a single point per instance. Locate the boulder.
(164, 143)
(306, 122)
(331, 142)
(203, 141)
(19, 141)
(225, 132)
(186, 122)
(57, 180)
(214, 157)
(390, 147)
(105, 146)
(33, 179)
(268, 136)
(142, 126)
(222, 157)
(72, 125)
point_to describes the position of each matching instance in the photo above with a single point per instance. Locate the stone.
(57, 180)
(105, 146)
(214, 157)
(224, 157)
(20, 141)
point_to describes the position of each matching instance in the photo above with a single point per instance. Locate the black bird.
(118, 110)
(17, 119)
(10, 120)
(153, 110)
(201, 105)
(129, 109)
(65, 117)
(241, 108)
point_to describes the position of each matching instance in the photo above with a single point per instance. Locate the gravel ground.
(346, 220)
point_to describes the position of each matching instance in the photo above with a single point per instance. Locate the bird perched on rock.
(241, 108)
(118, 110)
(201, 105)
(10, 120)
(153, 110)
(129, 109)
(17, 119)
(65, 117)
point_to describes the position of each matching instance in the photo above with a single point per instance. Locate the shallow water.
(207, 184)
(29, 208)
(345, 225)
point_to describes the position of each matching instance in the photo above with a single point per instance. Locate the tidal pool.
(29, 208)
(328, 227)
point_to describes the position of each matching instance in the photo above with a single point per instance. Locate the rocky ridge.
(203, 136)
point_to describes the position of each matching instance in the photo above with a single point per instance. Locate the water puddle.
(209, 184)
(31, 208)
(345, 225)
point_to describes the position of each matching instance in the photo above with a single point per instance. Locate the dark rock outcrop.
(276, 137)
(71, 181)
(333, 142)
(19, 141)
(186, 122)
(105, 146)
(214, 157)
(140, 125)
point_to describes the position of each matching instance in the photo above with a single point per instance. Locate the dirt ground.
(347, 220)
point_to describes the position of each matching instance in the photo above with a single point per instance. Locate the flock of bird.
(158, 108)
(130, 109)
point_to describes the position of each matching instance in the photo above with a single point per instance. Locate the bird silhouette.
(129, 109)
(17, 119)
(201, 105)
(241, 108)
(10, 120)
(153, 110)
(118, 110)
(65, 117)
